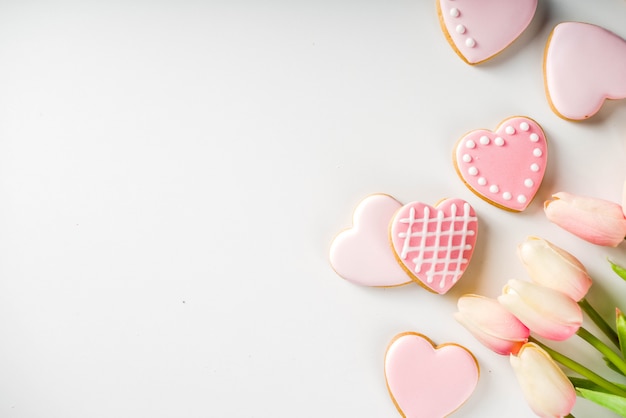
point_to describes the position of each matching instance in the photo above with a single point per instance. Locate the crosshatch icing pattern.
(435, 244)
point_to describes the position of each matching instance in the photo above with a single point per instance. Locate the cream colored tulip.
(595, 220)
(546, 312)
(546, 388)
(491, 324)
(553, 267)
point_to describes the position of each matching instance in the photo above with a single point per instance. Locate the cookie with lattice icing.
(434, 244)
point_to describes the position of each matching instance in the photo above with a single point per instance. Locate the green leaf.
(620, 322)
(612, 366)
(613, 402)
(619, 270)
(582, 383)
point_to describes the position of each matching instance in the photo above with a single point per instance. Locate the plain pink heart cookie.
(434, 245)
(480, 29)
(428, 381)
(584, 65)
(504, 167)
(361, 254)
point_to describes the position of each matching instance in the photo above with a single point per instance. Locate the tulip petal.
(547, 312)
(491, 324)
(553, 267)
(595, 220)
(546, 388)
(624, 199)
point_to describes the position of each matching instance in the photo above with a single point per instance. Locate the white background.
(173, 172)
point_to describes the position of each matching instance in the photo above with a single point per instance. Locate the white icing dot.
(467, 158)
(498, 141)
(509, 130)
(454, 12)
(460, 29)
(494, 189)
(470, 42)
(524, 126)
(534, 167)
(529, 183)
(537, 152)
(482, 181)
(470, 144)
(472, 171)
(506, 196)
(521, 198)
(484, 139)
(534, 137)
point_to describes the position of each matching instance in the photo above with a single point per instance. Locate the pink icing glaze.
(508, 171)
(362, 254)
(584, 65)
(435, 244)
(479, 29)
(428, 382)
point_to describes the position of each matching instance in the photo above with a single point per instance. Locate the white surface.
(172, 174)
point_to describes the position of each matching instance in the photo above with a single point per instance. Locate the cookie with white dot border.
(504, 167)
(478, 30)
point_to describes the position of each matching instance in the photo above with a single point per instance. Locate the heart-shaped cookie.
(434, 245)
(584, 65)
(504, 167)
(426, 381)
(362, 254)
(479, 29)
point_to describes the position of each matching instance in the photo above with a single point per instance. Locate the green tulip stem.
(599, 321)
(611, 355)
(581, 370)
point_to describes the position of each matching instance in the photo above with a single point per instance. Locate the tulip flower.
(553, 267)
(624, 199)
(595, 220)
(491, 324)
(546, 388)
(547, 312)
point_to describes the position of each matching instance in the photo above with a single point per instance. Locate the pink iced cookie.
(425, 381)
(584, 65)
(479, 29)
(434, 245)
(504, 167)
(362, 253)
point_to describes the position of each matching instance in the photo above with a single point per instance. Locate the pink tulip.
(546, 388)
(491, 324)
(595, 220)
(547, 312)
(624, 199)
(553, 267)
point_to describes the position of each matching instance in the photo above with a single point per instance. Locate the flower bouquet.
(551, 307)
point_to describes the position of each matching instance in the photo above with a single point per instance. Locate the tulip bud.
(547, 312)
(491, 324)
(595, 220)
(546, 388)
(553, 267)
(624, 199)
